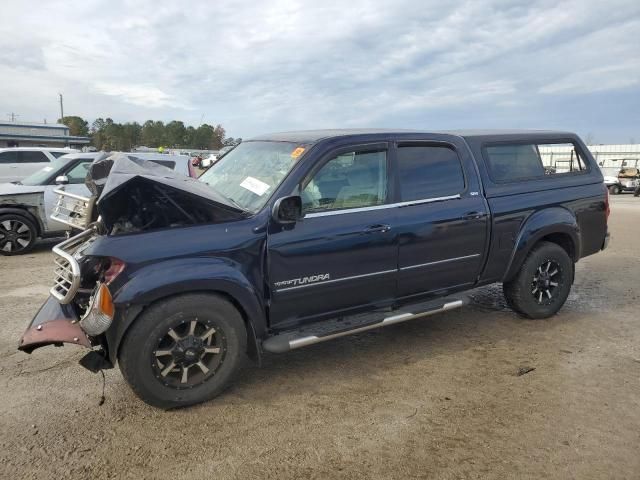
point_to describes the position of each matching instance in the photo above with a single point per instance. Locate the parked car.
(628, 180)
(208, 161)
(298, 238)
(27, 207)
(178, 163)
(17, 163)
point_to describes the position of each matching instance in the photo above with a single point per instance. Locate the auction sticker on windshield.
(255, 186)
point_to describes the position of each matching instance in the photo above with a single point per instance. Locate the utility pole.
(13, 116)
(61, 108)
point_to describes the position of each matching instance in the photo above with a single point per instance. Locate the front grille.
(73, 210)
(67, 269)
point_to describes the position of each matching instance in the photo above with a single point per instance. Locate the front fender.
(545, 222)
(173, 277)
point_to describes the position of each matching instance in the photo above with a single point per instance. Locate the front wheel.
(543, 282)
(18, 234)
(614, 189)
(184, 350)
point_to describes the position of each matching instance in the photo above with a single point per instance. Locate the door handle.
(473, 215)
(377, 229)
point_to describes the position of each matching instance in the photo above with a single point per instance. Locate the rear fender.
(545, 222)
(174, 277)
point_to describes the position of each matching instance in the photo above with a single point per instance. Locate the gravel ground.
(434, 398)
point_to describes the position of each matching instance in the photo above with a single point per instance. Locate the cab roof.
(313, 136)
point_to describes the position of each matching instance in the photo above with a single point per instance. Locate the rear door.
(30, 161)
(443, 220)
(9, 166)
(343, 254)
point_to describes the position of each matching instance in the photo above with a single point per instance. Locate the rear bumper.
(605, 243)
(54, 324)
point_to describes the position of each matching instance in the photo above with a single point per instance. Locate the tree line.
(108, 135)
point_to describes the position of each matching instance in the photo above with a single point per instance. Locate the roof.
(38, 149)
(312, 136)
(34, 125)
(46, 138)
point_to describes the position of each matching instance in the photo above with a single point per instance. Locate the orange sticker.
(297, 152)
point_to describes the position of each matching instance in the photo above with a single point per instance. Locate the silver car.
(18, 162)
(25, 205)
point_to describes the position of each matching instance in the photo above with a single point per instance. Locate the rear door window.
(8, 157)
(429, 171)
(509, 163)
(32, 157)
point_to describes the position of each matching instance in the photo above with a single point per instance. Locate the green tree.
(175, 133)
(78, 126)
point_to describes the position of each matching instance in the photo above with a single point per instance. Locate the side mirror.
(287, 210)
(62, 180)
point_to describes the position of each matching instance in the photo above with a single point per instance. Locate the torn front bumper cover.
(54, 324)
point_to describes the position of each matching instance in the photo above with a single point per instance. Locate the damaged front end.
(129, 196)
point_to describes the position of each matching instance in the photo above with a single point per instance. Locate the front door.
(443, 219)
(342, 256)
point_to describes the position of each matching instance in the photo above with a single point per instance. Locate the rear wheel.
(543, 282)
(18, 234)
(184, 350)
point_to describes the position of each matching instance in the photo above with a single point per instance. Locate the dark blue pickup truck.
(296, 238)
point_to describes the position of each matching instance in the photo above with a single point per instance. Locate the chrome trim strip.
(314, 284)
(454, 259)
(381, 207)
(310, 340)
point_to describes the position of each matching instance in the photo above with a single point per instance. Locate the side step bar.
(291, 340)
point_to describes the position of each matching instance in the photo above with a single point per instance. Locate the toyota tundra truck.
(297, 238)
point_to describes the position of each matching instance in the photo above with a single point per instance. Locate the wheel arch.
(144, 290)
(555, 225)
(25, 211)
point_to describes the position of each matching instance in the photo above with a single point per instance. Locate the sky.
(259, 67)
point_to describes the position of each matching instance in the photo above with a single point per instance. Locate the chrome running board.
(286, 341)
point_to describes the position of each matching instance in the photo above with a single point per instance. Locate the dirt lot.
(433, 398)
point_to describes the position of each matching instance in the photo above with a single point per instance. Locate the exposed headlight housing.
(99, 315)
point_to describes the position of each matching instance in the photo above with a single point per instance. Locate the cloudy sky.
(258, 67)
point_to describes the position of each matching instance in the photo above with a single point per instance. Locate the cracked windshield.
(249, 174)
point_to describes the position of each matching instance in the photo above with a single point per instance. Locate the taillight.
(116, 266)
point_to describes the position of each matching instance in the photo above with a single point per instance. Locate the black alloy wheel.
(543, 282)
(17, 234)
(183, 350)
(189, 353)
(547, 282)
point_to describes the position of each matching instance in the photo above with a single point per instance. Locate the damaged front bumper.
(54, 324)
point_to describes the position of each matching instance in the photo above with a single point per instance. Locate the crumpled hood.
(108, 174)
(137, 195)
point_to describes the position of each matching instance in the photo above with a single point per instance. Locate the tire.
(149, 348)
(18, 234)
(531, 292)
(614, 189)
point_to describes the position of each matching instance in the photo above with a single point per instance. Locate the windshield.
(42, 175)
(250, 173)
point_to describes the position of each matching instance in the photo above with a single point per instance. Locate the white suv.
(18, 162)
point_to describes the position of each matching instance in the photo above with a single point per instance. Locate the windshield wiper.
(236, 204)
